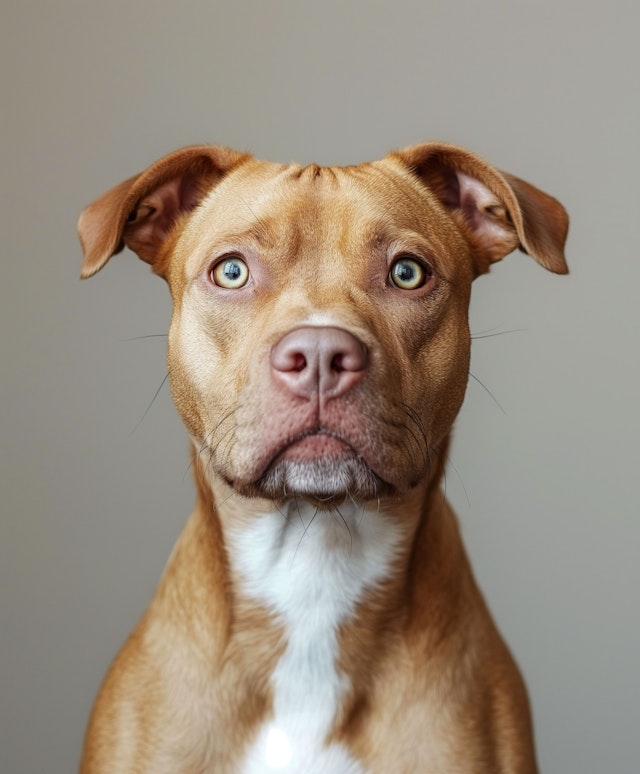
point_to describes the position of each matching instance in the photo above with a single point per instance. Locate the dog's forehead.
(270, 200)
(295, 213)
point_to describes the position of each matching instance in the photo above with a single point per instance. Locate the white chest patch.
(311, 569)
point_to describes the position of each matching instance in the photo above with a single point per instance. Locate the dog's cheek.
(186, 401)
(444, 365)
(192, 358)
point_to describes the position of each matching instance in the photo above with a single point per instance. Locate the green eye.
(407, 273)
(230, 273)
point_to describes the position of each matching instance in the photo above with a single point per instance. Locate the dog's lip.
(312, 444)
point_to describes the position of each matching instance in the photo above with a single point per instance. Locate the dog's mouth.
(311, 446)
(320, 466)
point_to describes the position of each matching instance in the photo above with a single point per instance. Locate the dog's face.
(319, 248)
(319, 345)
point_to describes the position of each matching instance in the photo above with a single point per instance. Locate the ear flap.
(497, 212)
(141, 211)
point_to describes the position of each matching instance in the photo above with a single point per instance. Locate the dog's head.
(319, 345)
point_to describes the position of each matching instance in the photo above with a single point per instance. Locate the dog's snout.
(322, 361)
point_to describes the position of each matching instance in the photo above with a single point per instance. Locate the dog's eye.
(407, 273)
(231, 273)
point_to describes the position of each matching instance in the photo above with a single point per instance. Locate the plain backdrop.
(544, 471)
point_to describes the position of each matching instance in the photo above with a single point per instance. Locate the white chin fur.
(322, 478)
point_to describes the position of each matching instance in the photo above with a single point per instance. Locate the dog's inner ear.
(495, 211)
(481, 215)
(150, 222)
(142, 211)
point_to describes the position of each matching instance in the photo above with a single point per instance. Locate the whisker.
(364, 510)
(205, 446)
(335, 511)
(231, 494)
(446, 459)
(490, 335)
(304, 534)
(488, 391)
(260, 222)
(147, 336)
(440, 454)
(417, 421)
(282, 513)
(150, 404)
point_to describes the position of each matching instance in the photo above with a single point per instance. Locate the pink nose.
(326, 362)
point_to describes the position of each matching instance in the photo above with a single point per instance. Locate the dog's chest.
(311, 570)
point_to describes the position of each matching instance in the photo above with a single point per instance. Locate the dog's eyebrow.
(259, 232)
(260, 226)
(383, 233)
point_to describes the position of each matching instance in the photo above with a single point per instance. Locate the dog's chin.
(325, 481)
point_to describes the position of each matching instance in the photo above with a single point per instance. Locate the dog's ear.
(141, 211)
(497, 212)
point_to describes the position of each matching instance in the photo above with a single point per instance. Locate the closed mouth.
(313, 445)
(321, 466)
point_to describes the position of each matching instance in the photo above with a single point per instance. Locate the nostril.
(287, 359)
(337, 364)
(298, 361)
(354, 358)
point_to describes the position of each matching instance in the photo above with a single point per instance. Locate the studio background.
(95, 490)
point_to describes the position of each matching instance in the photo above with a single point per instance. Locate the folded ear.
(141, 211)
(497, 212)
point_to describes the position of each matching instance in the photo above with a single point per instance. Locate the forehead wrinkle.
(312, 200)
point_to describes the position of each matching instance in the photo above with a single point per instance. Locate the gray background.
(546, 485)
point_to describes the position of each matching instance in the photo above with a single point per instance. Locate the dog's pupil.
(232, 271)
(405, 272)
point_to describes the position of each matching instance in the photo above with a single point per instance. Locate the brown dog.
(318, 613)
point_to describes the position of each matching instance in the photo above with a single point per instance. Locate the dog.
(318, 613)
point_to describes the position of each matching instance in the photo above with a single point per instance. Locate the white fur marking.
(311, 569)
(322, 319)
(278, 753)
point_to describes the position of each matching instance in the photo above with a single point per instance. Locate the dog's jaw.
(317, 467)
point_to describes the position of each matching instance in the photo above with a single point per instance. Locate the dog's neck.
(295, 609)
(301, 561)
(314, 570)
